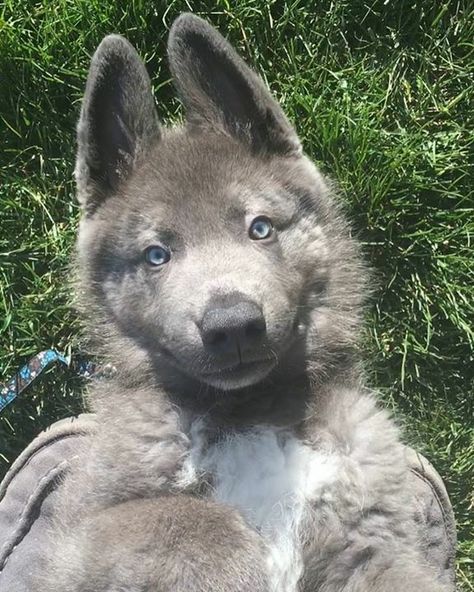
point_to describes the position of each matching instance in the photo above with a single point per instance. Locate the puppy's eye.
(156, 255)
(261, 228)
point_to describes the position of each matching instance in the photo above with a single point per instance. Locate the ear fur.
(218, 89)
(118, 120)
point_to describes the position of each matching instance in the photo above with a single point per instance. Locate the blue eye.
(261, 228)
(156, 255)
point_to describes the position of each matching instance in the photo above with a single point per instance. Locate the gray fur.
(144, 527)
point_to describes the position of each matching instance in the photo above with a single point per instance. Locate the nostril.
(255, 328)
(215, 338)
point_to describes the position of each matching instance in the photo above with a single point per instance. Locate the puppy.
(238, 448)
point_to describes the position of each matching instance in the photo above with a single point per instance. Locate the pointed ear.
(217, 88)
(118, 120)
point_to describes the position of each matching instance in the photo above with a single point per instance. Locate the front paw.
(170, 544)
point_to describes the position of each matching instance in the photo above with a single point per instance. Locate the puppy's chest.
(271, 477)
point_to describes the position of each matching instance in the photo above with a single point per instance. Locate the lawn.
(382, 94)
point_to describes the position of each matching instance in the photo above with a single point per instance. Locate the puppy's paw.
(171, 544)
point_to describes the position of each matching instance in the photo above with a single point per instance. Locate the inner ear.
(112, 130)
(222, 83)
(217, 88)
(118, 120)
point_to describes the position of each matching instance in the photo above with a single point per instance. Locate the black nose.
(232, 327)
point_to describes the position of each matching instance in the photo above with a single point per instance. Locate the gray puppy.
(238, 449)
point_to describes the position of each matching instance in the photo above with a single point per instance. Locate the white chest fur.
(269, 476)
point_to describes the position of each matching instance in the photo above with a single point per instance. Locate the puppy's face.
(210, 247)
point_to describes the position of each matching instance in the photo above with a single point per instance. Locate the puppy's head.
(214, 248)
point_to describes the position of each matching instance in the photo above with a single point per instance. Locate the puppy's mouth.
(240, 368)
(236, 370)
(239, 375)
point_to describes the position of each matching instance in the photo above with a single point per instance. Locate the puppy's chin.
(242, 376)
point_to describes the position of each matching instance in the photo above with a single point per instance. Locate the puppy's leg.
(405, 574)
(170, 544)
(383, 572)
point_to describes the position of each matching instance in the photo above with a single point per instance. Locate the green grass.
(381, 93)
